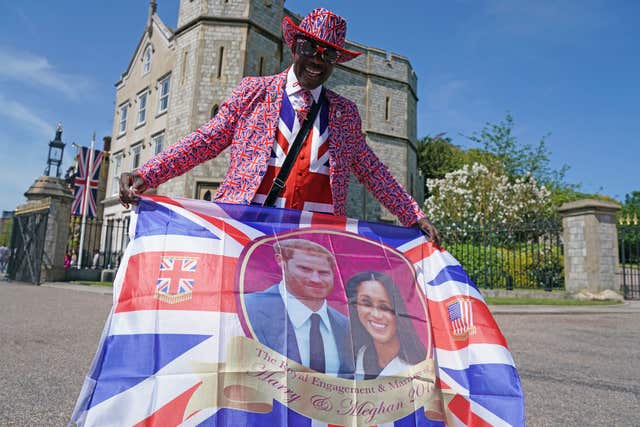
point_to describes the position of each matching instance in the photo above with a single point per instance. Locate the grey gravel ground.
(577, 369)
(48, 337)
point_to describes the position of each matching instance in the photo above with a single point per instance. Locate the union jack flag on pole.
(213, 325)
(87, 179)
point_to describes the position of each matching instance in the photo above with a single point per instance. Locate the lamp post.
(56, 151)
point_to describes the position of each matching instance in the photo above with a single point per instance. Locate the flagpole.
(87, 188)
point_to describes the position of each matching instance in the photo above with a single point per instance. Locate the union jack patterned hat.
(321, 25)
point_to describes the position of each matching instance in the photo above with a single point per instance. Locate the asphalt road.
(576, 369)
(48, 337)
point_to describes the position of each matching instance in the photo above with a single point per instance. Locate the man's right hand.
(131, 185)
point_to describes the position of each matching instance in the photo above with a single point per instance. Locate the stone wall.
(51, 196)
(590, 245)
(191, 10)
(132, 82)
(267, 14)
(56, 240)
(203, 84)
(248, 30)
(263, 49)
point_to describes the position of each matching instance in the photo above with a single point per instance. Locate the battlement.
(216, 44)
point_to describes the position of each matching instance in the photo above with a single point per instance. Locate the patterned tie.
(316, 353)
(304, 110)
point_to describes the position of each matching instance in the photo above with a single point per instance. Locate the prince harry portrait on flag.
(293, 317)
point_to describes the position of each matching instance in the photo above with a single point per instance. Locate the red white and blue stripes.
(321, 25)
(143, 371)
(87, 179)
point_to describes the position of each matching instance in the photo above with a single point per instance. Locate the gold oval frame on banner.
(255, 244)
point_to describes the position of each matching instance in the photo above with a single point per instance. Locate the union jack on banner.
(148, 367)
(288, 127)
(176, 282)
(87, 179)
(315, 163)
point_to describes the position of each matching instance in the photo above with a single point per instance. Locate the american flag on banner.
(174, 344)
(84, 182)
(461, 317)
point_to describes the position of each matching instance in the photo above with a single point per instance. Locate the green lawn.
(89, 283)
(489, 300)
(543, 301)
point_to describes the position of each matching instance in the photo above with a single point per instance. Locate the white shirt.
(293, 89)
(395, 366)
(299, 315)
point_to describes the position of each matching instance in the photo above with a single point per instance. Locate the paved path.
(629, 307)
(48, 337)
(578, 367)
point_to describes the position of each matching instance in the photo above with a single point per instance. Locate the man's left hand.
(430, 230)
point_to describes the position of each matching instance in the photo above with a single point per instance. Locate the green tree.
(477, 196)
(502, 154)
(5, 231)
(437, 156)
(477, 155)
(569, 193)
(631, 205)
(517, 159)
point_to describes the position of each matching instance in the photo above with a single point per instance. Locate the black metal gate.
(495, 256)
(629, 249)
(27, 246)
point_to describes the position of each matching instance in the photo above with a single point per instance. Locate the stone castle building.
(176, 80)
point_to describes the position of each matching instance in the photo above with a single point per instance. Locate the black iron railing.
(103, 245)
(496, 256)
(27, 246)
(629, 252)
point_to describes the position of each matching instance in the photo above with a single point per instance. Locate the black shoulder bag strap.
(279, 182)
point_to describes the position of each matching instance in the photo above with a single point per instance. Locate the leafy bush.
(528, 266)
(484, 265)
(475, 196)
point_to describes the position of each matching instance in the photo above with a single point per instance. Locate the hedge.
(526, 266)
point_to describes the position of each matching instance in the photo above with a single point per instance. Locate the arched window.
(214, 111)
(206, 190)
(146, 60)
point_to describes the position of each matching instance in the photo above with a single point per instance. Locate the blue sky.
(569, 68)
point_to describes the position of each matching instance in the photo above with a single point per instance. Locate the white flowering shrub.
(475, 196)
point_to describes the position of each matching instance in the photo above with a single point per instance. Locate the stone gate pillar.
(590, 245)
(51, 193)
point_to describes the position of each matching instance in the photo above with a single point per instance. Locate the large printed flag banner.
(232, 315)
(87, 179)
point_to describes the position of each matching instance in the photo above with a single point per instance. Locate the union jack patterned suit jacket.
(247, 121)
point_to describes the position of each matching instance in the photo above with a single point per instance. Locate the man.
(4, 258)
(293, 318)
(263, 116)
(96, 259)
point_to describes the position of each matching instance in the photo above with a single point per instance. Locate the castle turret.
(217, 44)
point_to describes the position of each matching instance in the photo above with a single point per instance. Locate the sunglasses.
(368, 305)
(309, 48)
